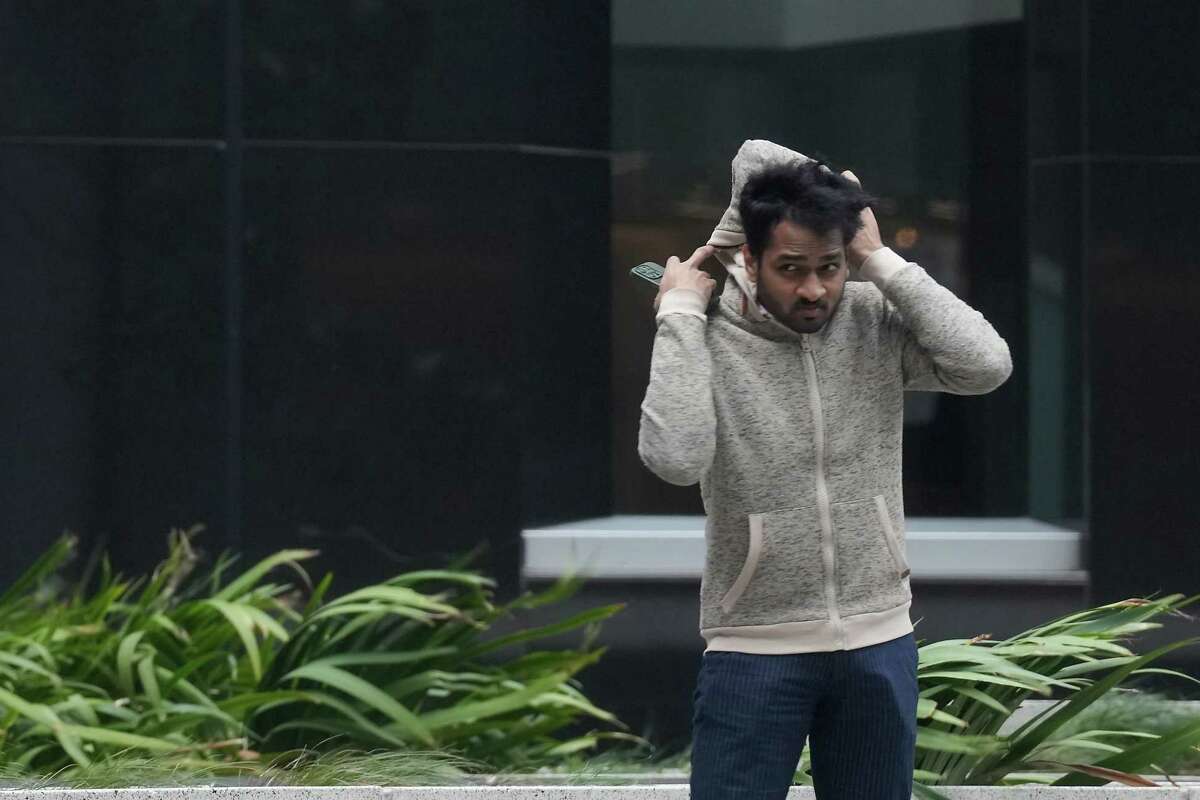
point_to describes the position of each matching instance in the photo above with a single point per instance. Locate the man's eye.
(830, 267)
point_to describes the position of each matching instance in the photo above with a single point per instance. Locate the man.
(785, 403)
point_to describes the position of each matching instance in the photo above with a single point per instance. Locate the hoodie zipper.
(827, 552)
(827, 548)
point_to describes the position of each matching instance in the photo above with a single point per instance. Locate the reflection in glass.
(886, 97)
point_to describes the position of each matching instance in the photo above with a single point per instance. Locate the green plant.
(211, 669)
(969, 687)
(1151, 713)
(1100, 731)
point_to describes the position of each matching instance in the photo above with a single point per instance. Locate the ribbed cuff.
(881, 265)
(682, 301)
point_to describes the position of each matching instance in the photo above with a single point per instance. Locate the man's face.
(800, 275)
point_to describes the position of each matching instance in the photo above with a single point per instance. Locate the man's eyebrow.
(801, 257)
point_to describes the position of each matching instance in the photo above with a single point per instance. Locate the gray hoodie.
(795, 440)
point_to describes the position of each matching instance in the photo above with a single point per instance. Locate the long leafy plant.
(970, 687)
(209, 667)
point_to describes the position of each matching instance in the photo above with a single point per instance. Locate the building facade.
(356, 278)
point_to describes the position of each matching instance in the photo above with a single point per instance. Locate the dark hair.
(802, 193)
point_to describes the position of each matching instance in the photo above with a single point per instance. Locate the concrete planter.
(1190, 791)
(203, 793)
(677, 792)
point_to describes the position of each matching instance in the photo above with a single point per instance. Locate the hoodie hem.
(860, 630)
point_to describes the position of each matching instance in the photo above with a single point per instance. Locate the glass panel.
(113, 346)
(887, 94)
(445, 71)
(112, 69)
(426, 353)
(1142, 78)
(1056, 376)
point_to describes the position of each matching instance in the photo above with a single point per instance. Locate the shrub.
(240, 672)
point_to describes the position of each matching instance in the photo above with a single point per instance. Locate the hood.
(728, 237)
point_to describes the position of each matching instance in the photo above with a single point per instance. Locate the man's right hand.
(687, 275)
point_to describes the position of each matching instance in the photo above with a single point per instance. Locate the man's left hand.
(867, 240)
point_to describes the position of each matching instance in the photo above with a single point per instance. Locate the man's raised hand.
(687, 275)
(867, 240)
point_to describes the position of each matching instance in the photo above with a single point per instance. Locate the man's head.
(798, 219)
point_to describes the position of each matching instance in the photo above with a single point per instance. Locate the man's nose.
(810, 288)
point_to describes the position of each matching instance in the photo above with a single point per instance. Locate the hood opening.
(728, 237)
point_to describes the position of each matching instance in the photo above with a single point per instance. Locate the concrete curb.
(591, 792)
(674, 792)
(202, 793)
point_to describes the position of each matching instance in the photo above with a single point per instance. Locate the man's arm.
(678, 431)
(945, 345)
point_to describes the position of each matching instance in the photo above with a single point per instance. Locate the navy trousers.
(857, 709)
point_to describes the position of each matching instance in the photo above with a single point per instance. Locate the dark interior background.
(309, 275)
(932, 123)
(355, 275)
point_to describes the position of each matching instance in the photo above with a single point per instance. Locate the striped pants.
(856, 708)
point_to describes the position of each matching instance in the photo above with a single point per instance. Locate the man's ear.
(750, 262)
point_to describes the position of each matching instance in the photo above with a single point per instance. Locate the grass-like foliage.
(193, 675)
(215, 672)
(970, 687)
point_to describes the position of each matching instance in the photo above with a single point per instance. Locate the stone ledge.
(202, 793)
(676, 792)
(671, 547)
(1188, 791)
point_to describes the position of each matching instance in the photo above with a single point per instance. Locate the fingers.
(851, 176)
(687, 275)
(701, 255)
(698, 257)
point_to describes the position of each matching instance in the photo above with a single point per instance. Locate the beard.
(799, 316)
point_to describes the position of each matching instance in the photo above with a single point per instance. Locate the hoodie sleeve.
(678, 432)
(945, 345)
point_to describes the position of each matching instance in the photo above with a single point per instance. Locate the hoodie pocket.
(872, 572)
(782, 577)
(889, 535)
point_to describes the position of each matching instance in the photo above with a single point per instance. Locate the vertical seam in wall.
(233, 273)
(1030, 176)
(1085, 182)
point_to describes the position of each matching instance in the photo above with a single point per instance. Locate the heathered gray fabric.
(728, 406)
